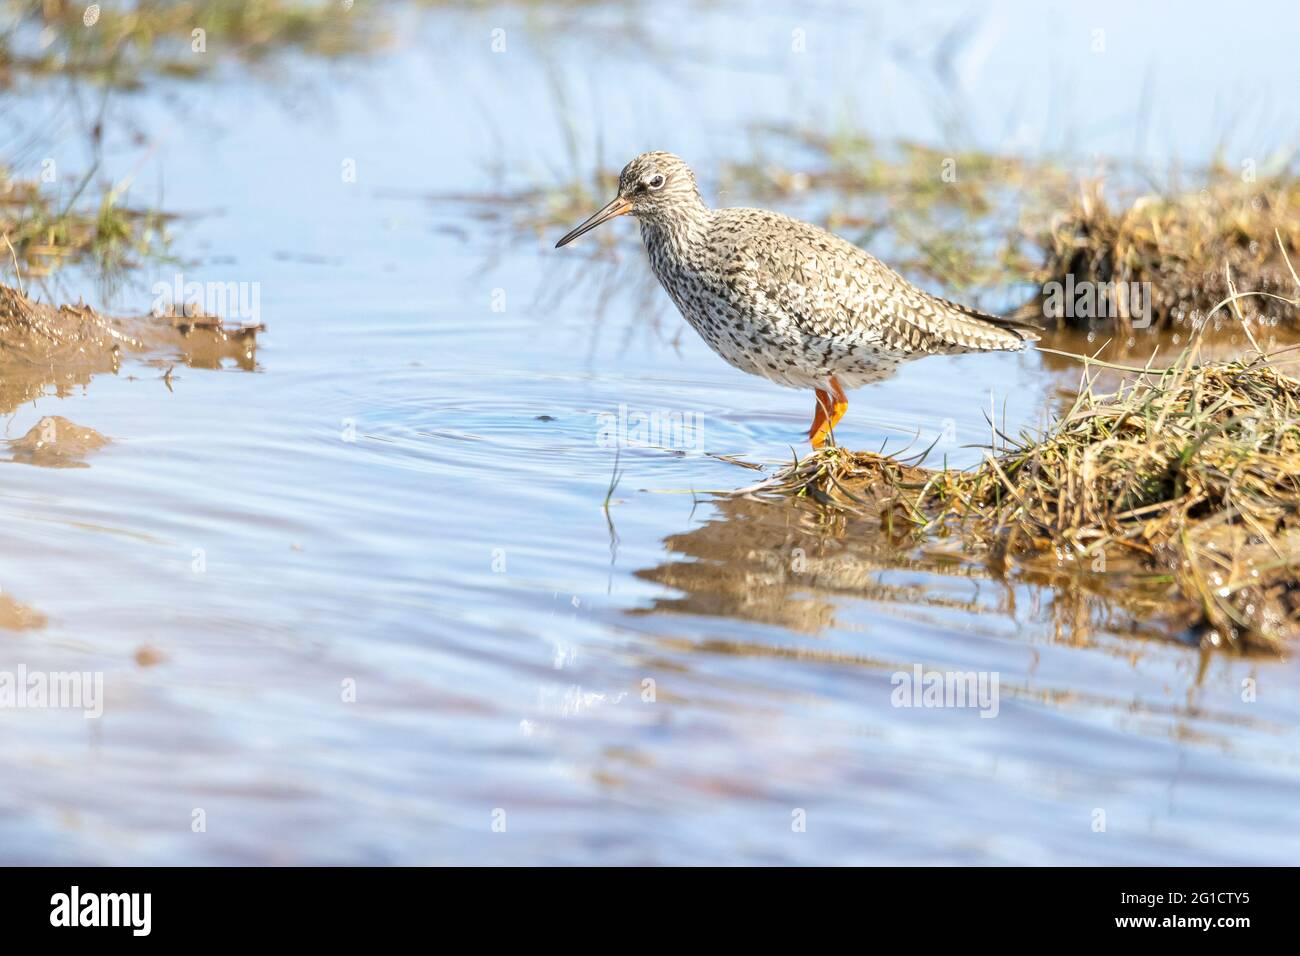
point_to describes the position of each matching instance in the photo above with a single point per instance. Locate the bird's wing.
(830, 287)
(946, 326)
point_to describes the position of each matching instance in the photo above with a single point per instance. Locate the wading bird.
(786, 300)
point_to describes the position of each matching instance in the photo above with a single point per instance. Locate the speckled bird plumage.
(784, 299)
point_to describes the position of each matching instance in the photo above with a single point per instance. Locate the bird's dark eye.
(656, 181)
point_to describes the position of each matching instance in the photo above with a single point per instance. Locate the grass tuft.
(1188, 475)
(47, 232)
(1193, 248)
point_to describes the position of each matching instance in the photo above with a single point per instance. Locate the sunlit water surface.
(365, 602)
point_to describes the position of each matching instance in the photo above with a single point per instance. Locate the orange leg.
(831, 407)
(821, 415)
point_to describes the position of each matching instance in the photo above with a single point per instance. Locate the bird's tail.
(980, 331)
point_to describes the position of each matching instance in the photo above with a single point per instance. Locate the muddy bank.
(56, 442)
(46, 349)
(17, 616)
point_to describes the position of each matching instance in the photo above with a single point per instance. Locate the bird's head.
(650, 188)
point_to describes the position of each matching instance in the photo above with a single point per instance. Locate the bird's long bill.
(616, 207)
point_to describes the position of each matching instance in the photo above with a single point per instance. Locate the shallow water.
(361, 600)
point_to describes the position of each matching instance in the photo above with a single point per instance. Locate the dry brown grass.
(1194, 249)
